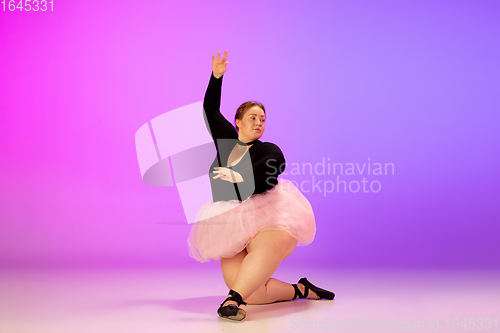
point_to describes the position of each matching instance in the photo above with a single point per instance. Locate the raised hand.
(219, 65)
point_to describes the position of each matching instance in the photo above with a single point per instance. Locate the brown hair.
(240, 112)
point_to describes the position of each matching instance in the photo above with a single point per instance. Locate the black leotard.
(267, 160)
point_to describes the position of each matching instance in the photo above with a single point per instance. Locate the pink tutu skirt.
(226, 227)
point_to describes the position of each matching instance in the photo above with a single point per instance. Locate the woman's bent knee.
(288, 243)
(291, 248)
(278, 242)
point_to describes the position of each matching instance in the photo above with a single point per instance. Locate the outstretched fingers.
(218, 57)
(219, 65)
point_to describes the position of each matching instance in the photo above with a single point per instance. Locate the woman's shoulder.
(268, 144)
(269, 148)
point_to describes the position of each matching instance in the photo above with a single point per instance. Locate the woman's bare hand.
(228, 175)
(219, 65)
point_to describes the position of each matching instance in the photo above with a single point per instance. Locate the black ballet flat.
(230, 311)
(322, 293)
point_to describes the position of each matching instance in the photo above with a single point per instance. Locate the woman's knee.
(284, 244)
(290, 246)
(278, 242)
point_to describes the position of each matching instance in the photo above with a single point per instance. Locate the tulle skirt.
(226, 227)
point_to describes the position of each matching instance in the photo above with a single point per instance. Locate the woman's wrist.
(217, 76)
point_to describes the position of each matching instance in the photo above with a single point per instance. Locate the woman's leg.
(231, 266)
(273, 290)
(265, 252)
(249, 271)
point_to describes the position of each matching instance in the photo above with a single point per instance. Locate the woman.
(255, 220)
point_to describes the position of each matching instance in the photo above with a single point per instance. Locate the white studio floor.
(178, 299)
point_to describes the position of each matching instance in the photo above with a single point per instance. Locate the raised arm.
(218, 126)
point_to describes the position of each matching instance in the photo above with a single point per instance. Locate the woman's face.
(251, 125)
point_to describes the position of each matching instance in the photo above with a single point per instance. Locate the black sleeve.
(218, 126)
(270, 165)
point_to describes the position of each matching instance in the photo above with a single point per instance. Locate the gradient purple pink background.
(409, 83)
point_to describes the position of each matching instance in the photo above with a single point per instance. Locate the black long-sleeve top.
(267, 160)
